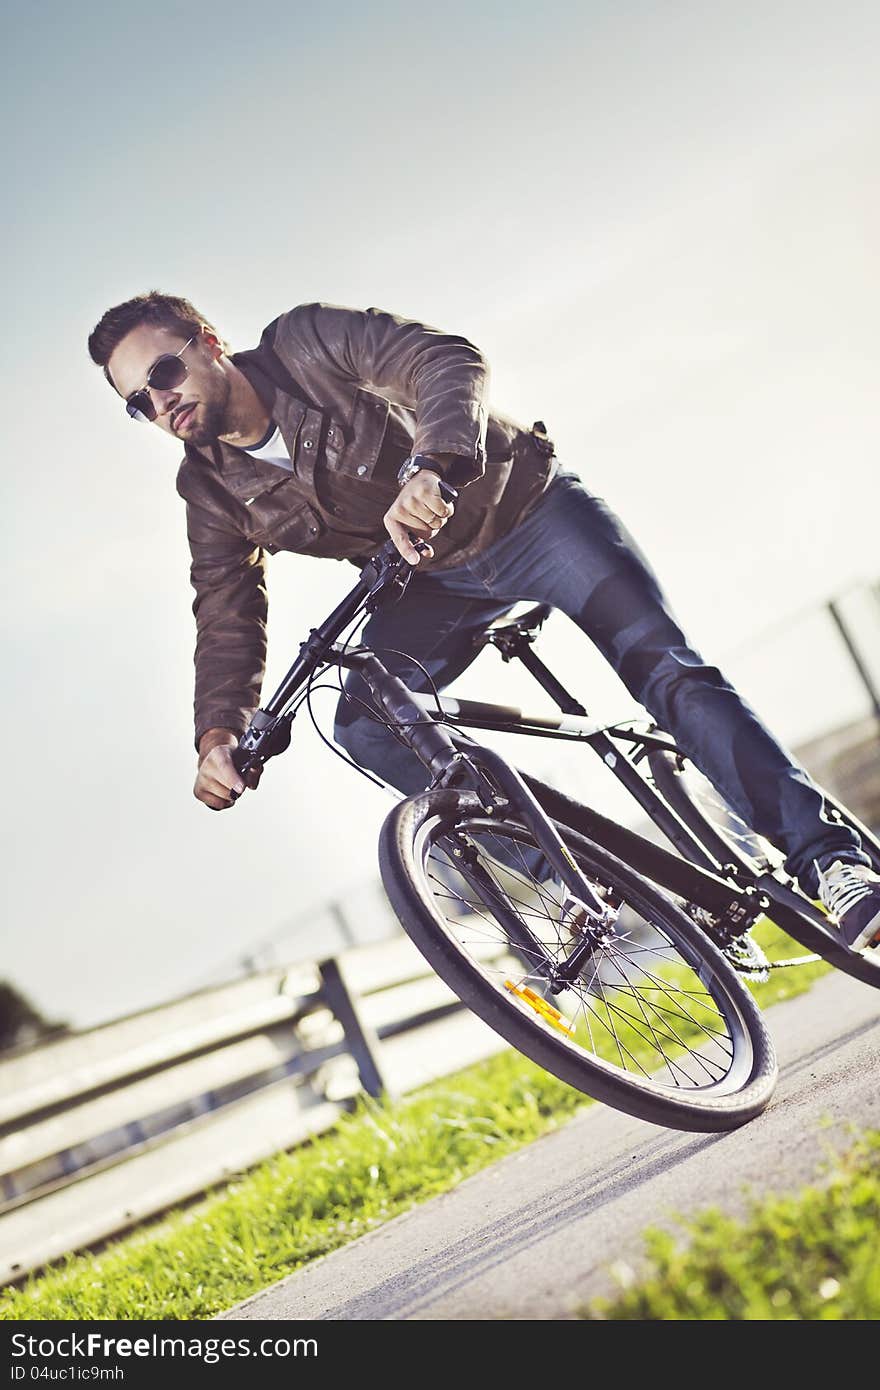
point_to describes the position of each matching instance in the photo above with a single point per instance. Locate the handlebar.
(385, 574)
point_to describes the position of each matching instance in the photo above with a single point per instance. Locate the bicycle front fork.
(593, 917)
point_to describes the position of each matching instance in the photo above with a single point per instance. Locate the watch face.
(408, 470)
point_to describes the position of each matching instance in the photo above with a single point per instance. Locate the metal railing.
(103, 1129)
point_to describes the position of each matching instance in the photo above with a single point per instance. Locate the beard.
(211, 425)
(213, 413)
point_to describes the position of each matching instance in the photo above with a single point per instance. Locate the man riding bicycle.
(334, 433)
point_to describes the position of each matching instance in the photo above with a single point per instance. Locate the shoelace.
(847, 888)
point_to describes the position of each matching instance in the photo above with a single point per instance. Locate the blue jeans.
(574, 553)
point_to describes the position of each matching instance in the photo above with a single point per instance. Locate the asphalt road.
(535, 1235)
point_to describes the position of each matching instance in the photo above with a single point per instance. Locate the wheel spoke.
(671, 1038)
(638, 1005)
(663, 986)
(644, 1013)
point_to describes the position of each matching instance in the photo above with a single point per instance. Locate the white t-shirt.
(273, 449)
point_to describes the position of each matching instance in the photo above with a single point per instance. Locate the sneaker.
(851, 894)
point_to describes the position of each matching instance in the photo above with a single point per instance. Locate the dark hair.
(154, 307)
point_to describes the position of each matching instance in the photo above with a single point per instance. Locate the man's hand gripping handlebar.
(384, 578)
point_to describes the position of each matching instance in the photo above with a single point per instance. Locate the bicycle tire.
(710, 1091)
(718, 828)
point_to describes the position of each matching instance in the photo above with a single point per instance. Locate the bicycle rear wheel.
(735, 845)
(656, 1023)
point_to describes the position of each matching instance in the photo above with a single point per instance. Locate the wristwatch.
(414, 464)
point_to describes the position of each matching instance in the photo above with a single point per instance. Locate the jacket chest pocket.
(354, 451)
(282, 526)
(307, 446)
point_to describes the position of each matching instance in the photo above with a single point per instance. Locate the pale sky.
(660, 222)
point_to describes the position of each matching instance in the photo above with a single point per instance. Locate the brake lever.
(265, 736)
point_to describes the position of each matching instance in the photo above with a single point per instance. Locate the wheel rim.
(647, 1009)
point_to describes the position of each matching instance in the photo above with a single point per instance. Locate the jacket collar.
(286, 409)
(243, 475)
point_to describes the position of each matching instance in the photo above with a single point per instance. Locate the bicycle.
(612, 962)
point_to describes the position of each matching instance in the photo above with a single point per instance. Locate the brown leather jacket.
(354, 392)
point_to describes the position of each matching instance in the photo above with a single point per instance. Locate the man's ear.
(213, 343)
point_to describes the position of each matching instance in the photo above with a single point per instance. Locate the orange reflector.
(540, 1006)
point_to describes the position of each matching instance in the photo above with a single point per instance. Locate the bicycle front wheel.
(655, 1022)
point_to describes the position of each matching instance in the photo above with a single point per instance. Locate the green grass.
(813, 1255)
(376, 1163)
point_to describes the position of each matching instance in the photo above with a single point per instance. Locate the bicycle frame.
(701, 880)
(731, 894)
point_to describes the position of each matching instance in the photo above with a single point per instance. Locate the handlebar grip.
(239, 762)
(239, 758)
(449, 494)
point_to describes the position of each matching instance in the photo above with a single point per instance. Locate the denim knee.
(356, 734)
(373, 747)
(675, 672)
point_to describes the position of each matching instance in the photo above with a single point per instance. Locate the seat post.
(515, 641)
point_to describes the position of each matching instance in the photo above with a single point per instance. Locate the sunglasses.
(166, 373)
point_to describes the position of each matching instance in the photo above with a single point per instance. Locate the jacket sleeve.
(442, 378)
(230, 607)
